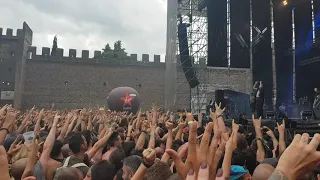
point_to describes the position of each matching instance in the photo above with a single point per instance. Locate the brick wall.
(75, 85)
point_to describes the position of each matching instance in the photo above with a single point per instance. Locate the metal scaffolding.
(193, 13)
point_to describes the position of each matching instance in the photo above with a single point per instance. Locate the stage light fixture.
(285, 2)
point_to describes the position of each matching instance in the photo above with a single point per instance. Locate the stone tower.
(13, 55)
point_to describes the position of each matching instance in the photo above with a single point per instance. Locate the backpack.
(65, 165)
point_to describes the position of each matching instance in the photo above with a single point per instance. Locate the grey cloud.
(83, 24)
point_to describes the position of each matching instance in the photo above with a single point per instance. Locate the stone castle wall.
(75, 82)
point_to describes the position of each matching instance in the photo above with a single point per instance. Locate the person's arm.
(257, 127)
(98, 145)
(4, 166)
(8, 123)
(25, 120)
(37, 126)
(32, 158)
(166, 157)
(282, 142)
(219, 112)
(141, 140)
(149, 155)
(180, 131)
(90, 126)
(48, 144)
(64, 129)
(275, 142)
(70, 127)
(152, 140)
(3, 110)
(130, 126)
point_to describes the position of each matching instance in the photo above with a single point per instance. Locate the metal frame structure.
(190, 12)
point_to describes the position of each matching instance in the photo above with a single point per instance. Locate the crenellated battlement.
(98, 57)
(25, 33)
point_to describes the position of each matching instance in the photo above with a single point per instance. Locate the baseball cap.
(237, 171)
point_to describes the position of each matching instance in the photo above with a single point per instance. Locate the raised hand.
(219, 111)
(299, 157)
(256, 122)
(15, 146)
(149, 155)
(56, 119)
(231, 144)
(235, 127)
(169, 125)
(281, 127)
(189, 117)
(10, 120)
(3, 110)
(33, 108)
(203, 156)
(268, 131)
(42, 113)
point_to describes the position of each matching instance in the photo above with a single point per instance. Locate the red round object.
(124, 99)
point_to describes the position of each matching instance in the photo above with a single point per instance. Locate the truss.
(189, 13)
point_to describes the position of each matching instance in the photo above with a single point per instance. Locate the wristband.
(146, 165)
(1, 129)
(219, 116)
(190, 122)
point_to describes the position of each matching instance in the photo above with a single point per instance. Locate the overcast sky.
(90, 24)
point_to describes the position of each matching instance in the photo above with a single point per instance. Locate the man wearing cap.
(239, 172)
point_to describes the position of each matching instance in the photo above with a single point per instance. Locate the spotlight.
(285, 2)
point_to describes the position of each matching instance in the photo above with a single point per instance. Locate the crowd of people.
(97, 144)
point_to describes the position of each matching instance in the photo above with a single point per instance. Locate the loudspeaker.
(219, 98)
(185, 58)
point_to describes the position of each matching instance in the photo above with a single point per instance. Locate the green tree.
(54, 46)
(118, 51)
(107, 50)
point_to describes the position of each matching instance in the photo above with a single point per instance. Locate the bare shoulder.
(278, 175)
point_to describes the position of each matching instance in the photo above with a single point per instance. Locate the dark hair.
(113, 138)
(136, 152)
(87, 135)
(111, 141)
(116, 158)
(132, 163)
(69, 135)
(128, 147)
(161, 133)
(119, 175)
(56, 149)
(186, 137)
(103, 170)
(241, 142)
(176, 144)
(158, 142)
(75, 142)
